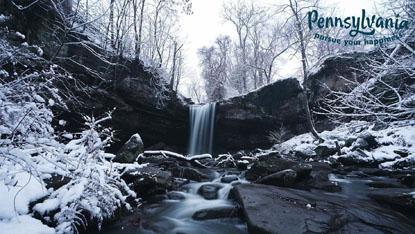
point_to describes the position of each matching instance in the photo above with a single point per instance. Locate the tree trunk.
(310, 122)
(174, 65)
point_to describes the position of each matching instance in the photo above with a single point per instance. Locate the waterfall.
(202, 119)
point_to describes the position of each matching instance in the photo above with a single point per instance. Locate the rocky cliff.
(143, 102)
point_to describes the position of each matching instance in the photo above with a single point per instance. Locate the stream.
(174, 215)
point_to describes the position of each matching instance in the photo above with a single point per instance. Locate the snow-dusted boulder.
(130, 150)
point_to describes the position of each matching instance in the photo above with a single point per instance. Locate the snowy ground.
(397, 137)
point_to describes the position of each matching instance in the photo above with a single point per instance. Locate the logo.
(364, 25)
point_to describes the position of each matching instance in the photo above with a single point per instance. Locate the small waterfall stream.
(202, 118)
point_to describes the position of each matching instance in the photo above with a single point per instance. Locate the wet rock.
(272, 165)
(375, 171)
(384, 184)
(209, 191)
(321, 181)
(285, 178)
(408, 180)
(189, 173)
(228, 179)
(269, 209)
(400, 199)
(175, 195)
(130, 150)
(242, 165)
(217, 213)
(150, 181)
(325, 150)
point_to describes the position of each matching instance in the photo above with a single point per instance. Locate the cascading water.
(202, 119)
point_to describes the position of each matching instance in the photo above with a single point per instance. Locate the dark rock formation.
(217, 213)
(130, 150)
(209, 191)
(285, 178)
(273, 165)
(244, 122)
(398, 198)
(269, 209)
(149, 181)
(103, 81)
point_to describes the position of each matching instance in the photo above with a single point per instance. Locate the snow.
(20, 35)
(4, 18)
(24, 224)
(4, 73)
(47, 205)
(27, 190)
(399, 136)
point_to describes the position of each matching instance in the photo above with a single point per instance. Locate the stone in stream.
(189, 173)
(321, 181)
(270, 209)
(149, 181)
(174, 195)
(228, 179)
(385, 184)
(217, 213)
(209, 191)
(285, 178)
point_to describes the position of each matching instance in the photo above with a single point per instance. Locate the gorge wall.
(112, 82)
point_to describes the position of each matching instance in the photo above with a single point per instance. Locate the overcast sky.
(205, 25)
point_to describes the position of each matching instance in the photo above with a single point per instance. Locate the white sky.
(206, 24)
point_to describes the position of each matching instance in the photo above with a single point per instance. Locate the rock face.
(111, 81)
(130, 150)
(269, 209)
(244, 122)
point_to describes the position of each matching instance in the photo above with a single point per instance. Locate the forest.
(283, 124)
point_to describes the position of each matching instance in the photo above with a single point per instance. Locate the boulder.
(175, 195)
(229, 179)
(217, 213)
(321, 181)
(357, 158)
(244, 122)
(209, 191)
(269, 209)
(398, 198)
(149, 181)
(385, 184)
(271, 165)
(285, 178)
(130, 150)
(325, 150)
(189, 173)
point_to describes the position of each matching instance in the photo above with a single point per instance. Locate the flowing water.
(175, 215)
(202, 118)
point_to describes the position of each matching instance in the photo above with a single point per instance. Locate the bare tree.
(387, 92)
(296, 9)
